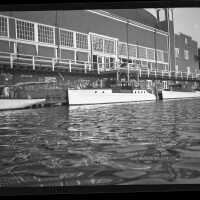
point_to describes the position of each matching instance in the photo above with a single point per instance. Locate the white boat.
(10, 97)
(106, 96)
(180, 94)
(10, 104)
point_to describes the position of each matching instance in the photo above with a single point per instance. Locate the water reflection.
(137, 143)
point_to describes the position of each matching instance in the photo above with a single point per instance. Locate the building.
(100, 37)
(186, 51)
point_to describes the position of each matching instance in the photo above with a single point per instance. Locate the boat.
(107, 96)
(13, 97)
(177, 91)
(13, 104)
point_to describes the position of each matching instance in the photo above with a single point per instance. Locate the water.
(137, 143)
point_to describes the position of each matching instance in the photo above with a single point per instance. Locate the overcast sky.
(187, 21)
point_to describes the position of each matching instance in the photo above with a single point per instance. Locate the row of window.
(140, 52)
(46, 34)
(186, 53)
(103, 45)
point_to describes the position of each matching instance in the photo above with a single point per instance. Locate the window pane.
(122, 48)
(97, 44)
(45, 34)
(25, 30)
(186, 54)
(160, 56)
(141, 52)
(3, 26)
(109, 46)
(150, 54)
(81, 41)
(132, 51)
(66, 38)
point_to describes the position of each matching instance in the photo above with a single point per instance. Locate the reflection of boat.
(177, 91)
(16, 97)
(105, 96)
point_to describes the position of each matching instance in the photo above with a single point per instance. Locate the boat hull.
(100, 96)
(179, 94)
(11, 104)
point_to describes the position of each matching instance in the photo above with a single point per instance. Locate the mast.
(174, 35)
(155, 48)
(137, 53)
(127, 26)
(169, 38)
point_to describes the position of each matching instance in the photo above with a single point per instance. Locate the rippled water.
(138, 143)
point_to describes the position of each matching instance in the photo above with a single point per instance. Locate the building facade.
(101, 38)
(186, 51)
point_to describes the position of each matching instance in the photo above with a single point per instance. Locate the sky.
(187, 21)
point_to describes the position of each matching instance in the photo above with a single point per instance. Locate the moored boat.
(11, 104)
(179, 94)
(106, 96)
(177, 91)
(12, 98)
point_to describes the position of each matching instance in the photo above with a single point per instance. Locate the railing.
(33, 62)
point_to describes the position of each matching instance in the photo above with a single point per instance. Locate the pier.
(19, 62)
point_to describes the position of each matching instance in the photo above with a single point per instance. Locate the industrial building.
(91, 39)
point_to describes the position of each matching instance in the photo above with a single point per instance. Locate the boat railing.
(34, 61)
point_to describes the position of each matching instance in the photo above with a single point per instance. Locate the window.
(144, 64)
(150, 54)
(166, 68)
(25, 30)
(176, 68)
(112, 63)
(81, 41)
(109, 46)
(186, 40)
(186, 54)
(149, 84)
(132, 51)
(81, 56)
(142, 52)
(107, 62)
(46, 34)
(97, 44)
(66, 38)
(122, 49)
(188, 70)
(3, 26)
(177, 52)
(164, 85)
(160, 56)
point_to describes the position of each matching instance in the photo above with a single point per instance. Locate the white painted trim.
(121, 19)
(103, 36)
(103, 54)
(36, 36)
(8, 27)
